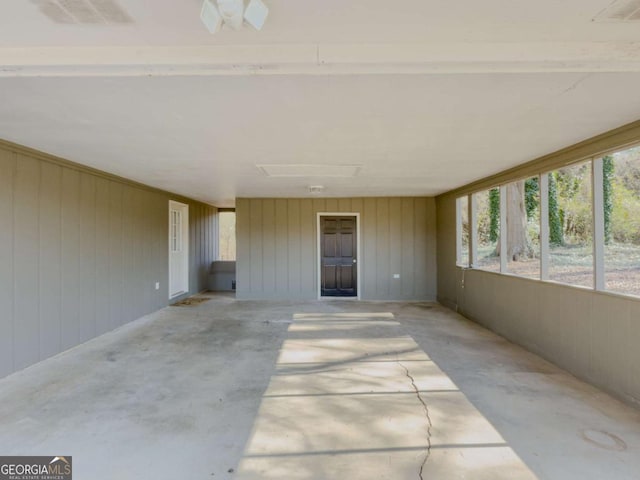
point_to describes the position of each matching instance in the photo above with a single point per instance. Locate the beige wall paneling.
(50, 254)
(281, 245)
(269, 232)
(116, 259)
(294, 246)
(70, 288)
(81, 252)
(256, 235)
(26, 263)
(277, 246)
(7, 175)
(369, 257)
(243, 244)
(308, 269)
(396, 233)
(407, 272)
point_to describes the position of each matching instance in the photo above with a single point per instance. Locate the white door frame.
(319, 253)
(184, 245)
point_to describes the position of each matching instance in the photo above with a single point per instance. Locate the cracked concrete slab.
(427, 414)
(313, 390)
(351, 399)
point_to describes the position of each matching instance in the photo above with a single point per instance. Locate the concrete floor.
(314, 390)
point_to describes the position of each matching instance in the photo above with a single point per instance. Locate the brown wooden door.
(338, 256)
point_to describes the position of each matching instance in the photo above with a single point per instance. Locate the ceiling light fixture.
(210, 16)
(233, 14)
(256, 14)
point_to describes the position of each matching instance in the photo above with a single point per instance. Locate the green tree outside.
(556, 236)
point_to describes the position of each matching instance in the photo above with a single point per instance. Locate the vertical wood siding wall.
(80, 255)
(277, 247)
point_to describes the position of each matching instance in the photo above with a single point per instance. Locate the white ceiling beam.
(322, 59)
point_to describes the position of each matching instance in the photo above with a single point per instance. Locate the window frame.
(459, 231)
(218, 254)
(597, 211)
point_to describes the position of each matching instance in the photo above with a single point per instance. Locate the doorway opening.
(338, 250)
(178, 249)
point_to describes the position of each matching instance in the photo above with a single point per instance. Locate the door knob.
(354, 260)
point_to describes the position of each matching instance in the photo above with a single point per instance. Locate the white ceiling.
(177, 22)
(425, 95)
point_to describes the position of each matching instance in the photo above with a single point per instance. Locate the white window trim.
(217, 233)
(503, 229)
(544, 226)
(459, 231)
(597, 204)
(473, 231)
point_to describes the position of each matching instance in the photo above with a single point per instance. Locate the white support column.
(598, 224)
(459, 231)
(503, 229)
(544, 226)
(473, 231)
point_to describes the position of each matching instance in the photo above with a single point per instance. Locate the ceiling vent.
(88, 12)
(620, 11)
(310, 170)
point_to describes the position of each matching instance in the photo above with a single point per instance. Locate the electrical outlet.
(157, 285)
(396, 275)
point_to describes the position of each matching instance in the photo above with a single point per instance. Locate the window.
(176, 231)
(621, 219)
(226, 235)
(523, 227)
(578, 225)
(486, 210)
(462, 244)
(570, 217)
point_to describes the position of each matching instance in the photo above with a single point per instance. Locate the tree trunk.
(518, 246)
